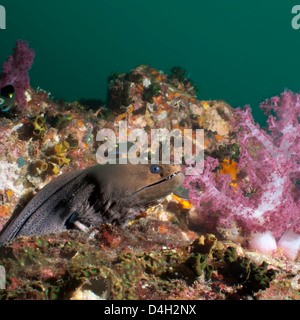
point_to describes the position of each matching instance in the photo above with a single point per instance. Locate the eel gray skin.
(113, 193)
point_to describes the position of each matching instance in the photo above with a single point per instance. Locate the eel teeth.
(172, 175)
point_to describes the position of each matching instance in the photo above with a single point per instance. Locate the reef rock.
(152, 99)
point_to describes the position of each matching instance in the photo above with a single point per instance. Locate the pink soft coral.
(266, 203)
(15, 71)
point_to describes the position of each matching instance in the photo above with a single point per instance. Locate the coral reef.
(154, 100)
(34, 151)
(157, 256)
(29, 138)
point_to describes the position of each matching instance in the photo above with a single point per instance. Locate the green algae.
(242, 270)
(54, 267)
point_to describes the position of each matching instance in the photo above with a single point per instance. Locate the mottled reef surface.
(164, 253)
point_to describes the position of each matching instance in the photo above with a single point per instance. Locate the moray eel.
(113, 193)
(7, 97)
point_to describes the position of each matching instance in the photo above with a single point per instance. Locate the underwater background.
(240, 51)
(231, 231)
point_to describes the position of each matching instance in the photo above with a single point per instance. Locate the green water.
(239, 51)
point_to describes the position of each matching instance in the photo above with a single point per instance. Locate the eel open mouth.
(156, 183)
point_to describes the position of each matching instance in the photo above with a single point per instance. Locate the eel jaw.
(156, 183)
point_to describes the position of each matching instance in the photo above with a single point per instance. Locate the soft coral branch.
(271, 160)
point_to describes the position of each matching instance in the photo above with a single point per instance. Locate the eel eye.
(155, 169)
